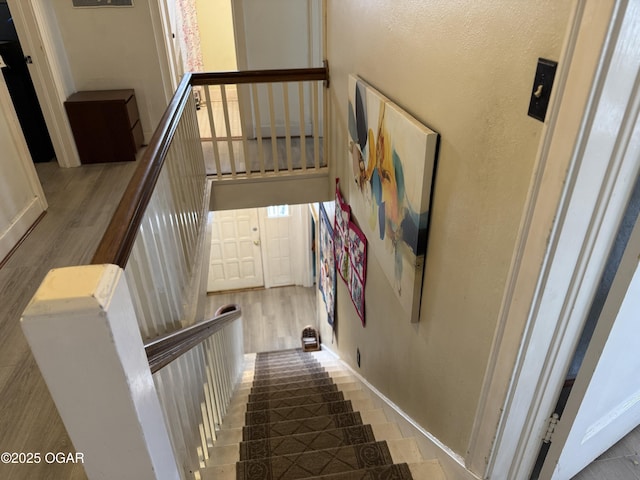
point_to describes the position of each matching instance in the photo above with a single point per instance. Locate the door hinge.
(553, 422)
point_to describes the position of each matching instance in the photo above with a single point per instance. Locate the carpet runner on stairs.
(298, 425)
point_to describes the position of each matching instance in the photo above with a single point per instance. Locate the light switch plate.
(541, 91)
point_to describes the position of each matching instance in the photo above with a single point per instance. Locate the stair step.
(294, 378)
(297, 412)
(292, 427)
(405, 450)
(395, 472)
(306, 442)
(289, 376)
(248, 382)
(319, 462)
(286, 367)
(296, 392)
(294, 401)
(293, 385)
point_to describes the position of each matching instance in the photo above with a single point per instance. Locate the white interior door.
(604, 404)
(236, 259)
(277, 245)
(273, 35)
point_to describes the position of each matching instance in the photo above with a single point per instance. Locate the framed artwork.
(393, 159)
(351, 253)
(327, 282)
(357, 268)
(343, 216)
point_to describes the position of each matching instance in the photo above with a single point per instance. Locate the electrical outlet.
(358, 357)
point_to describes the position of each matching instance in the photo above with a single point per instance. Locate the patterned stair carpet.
(298, 425)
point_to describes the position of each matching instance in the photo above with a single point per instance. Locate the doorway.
(261, 247)
(22, 91)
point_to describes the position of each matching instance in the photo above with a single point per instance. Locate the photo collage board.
(350, 245)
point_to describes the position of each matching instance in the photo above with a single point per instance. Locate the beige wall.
(113, 48)
(217, 41)
(465, 69)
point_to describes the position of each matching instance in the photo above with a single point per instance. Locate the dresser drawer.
(105, 125)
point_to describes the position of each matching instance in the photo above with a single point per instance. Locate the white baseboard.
(19, 226)
(430, 447)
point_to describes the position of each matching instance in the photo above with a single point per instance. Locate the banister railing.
(163, 350)
(150, 268)
(117, 242)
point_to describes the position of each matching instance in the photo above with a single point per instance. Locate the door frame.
(50, 72)
(572, 214)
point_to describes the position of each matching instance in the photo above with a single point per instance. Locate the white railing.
(256, 124)
(87, 326)
(209, 372)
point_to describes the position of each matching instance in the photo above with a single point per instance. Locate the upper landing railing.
(254, 123)
(238, 126)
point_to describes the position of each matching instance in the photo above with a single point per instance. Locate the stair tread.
(293, 401)
(318, 462)
(296, 392)
(287, 367)
(400, 471)
(293, 385)
(296, 412)
(290, 427)
(284, 376)
(306, 442)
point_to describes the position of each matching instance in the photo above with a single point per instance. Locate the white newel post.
(85, 338)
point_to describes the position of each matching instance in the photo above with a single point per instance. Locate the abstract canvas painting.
(393, 160)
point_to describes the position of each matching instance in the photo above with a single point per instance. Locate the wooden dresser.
(105, 124)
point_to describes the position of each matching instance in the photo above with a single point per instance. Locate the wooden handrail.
(261, 76)
(117, 242)
(164, 350)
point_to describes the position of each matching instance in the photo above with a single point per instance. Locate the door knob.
(256, 242)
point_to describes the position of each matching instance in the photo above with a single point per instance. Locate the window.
(277, 211)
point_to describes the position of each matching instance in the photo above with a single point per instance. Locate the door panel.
(604, 404)
(276, 229)
(236, 260)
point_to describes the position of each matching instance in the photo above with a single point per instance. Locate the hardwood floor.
(273, 318)
(620, 462)
(81, 201)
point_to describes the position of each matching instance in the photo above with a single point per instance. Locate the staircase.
(303, 415)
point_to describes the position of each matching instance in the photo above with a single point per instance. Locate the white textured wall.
(113, 48)
(465, 69)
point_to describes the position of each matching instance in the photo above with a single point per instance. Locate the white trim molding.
(50, 72)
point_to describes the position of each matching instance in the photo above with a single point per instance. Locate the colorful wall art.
(393, 158)
(351, 253)
(327, 282)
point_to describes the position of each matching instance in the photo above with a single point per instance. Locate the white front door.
(236, 260)
(604, 404)
(276, 231)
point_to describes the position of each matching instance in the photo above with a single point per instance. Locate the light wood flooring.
(81, 201)
(272, 318)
